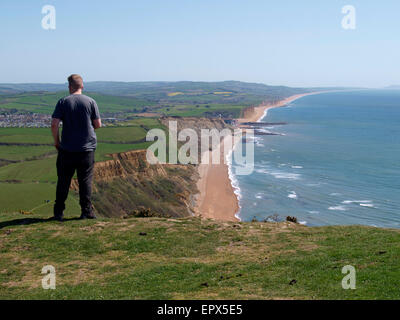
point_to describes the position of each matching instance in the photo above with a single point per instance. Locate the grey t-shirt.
(77, 112)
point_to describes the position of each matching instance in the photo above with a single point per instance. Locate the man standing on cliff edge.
(80, 117)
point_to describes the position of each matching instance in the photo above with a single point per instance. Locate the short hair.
(75, 81)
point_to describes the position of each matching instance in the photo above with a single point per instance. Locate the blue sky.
(285, 42)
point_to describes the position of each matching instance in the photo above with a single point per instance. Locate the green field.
(159, 258)
(45, 102)
(30, 196)
(121, 134)
(18, 153)
(26, 135)
(202, 104)
(31, 178)
(205, 110)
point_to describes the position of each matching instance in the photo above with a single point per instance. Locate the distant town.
(39, 120)
(24, 120)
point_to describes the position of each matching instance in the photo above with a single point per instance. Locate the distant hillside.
(185, 98)
(11, 88)
(160, 87)
(396, 87)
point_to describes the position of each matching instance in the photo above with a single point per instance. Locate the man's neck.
(77, 92)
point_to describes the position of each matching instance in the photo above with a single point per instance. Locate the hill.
(147, 87)
(127, 99)
(190, 258)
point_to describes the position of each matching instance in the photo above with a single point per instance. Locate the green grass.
(26, 135)
(37, 170)
(104, 149)
(121, 134)
(202, 110)
(27, 196)
(193, 259)
(139, 121)
(20, 153)
(45, 102)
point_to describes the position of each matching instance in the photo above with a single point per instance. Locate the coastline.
(218, 196)
(260, 112)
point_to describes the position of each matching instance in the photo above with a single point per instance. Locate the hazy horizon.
(284, 43)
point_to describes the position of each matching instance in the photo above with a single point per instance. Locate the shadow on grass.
(28, 221)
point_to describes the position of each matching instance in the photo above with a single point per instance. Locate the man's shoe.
(58, 218)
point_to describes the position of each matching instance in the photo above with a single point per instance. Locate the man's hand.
(55, 124)
(96, 123)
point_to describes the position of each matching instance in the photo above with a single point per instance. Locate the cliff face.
(195, 123)
(129, 183)
(125, 164)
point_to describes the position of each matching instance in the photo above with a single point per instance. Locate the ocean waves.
(338, 208)
(278, 174)
(326, 170)
(292, 195)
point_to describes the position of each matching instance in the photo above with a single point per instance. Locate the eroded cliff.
(128, 183)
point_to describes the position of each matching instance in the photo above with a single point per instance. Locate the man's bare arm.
(96, 123)
(55, 124)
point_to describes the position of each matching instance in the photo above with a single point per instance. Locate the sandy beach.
(216, 198)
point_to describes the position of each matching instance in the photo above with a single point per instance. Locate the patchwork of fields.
(44, 102)
(175, 104)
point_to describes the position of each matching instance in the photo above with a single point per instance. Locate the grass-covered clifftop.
(190, 258)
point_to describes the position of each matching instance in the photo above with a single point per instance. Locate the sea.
(335, 161)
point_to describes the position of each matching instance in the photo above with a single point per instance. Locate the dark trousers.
(67, 163)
